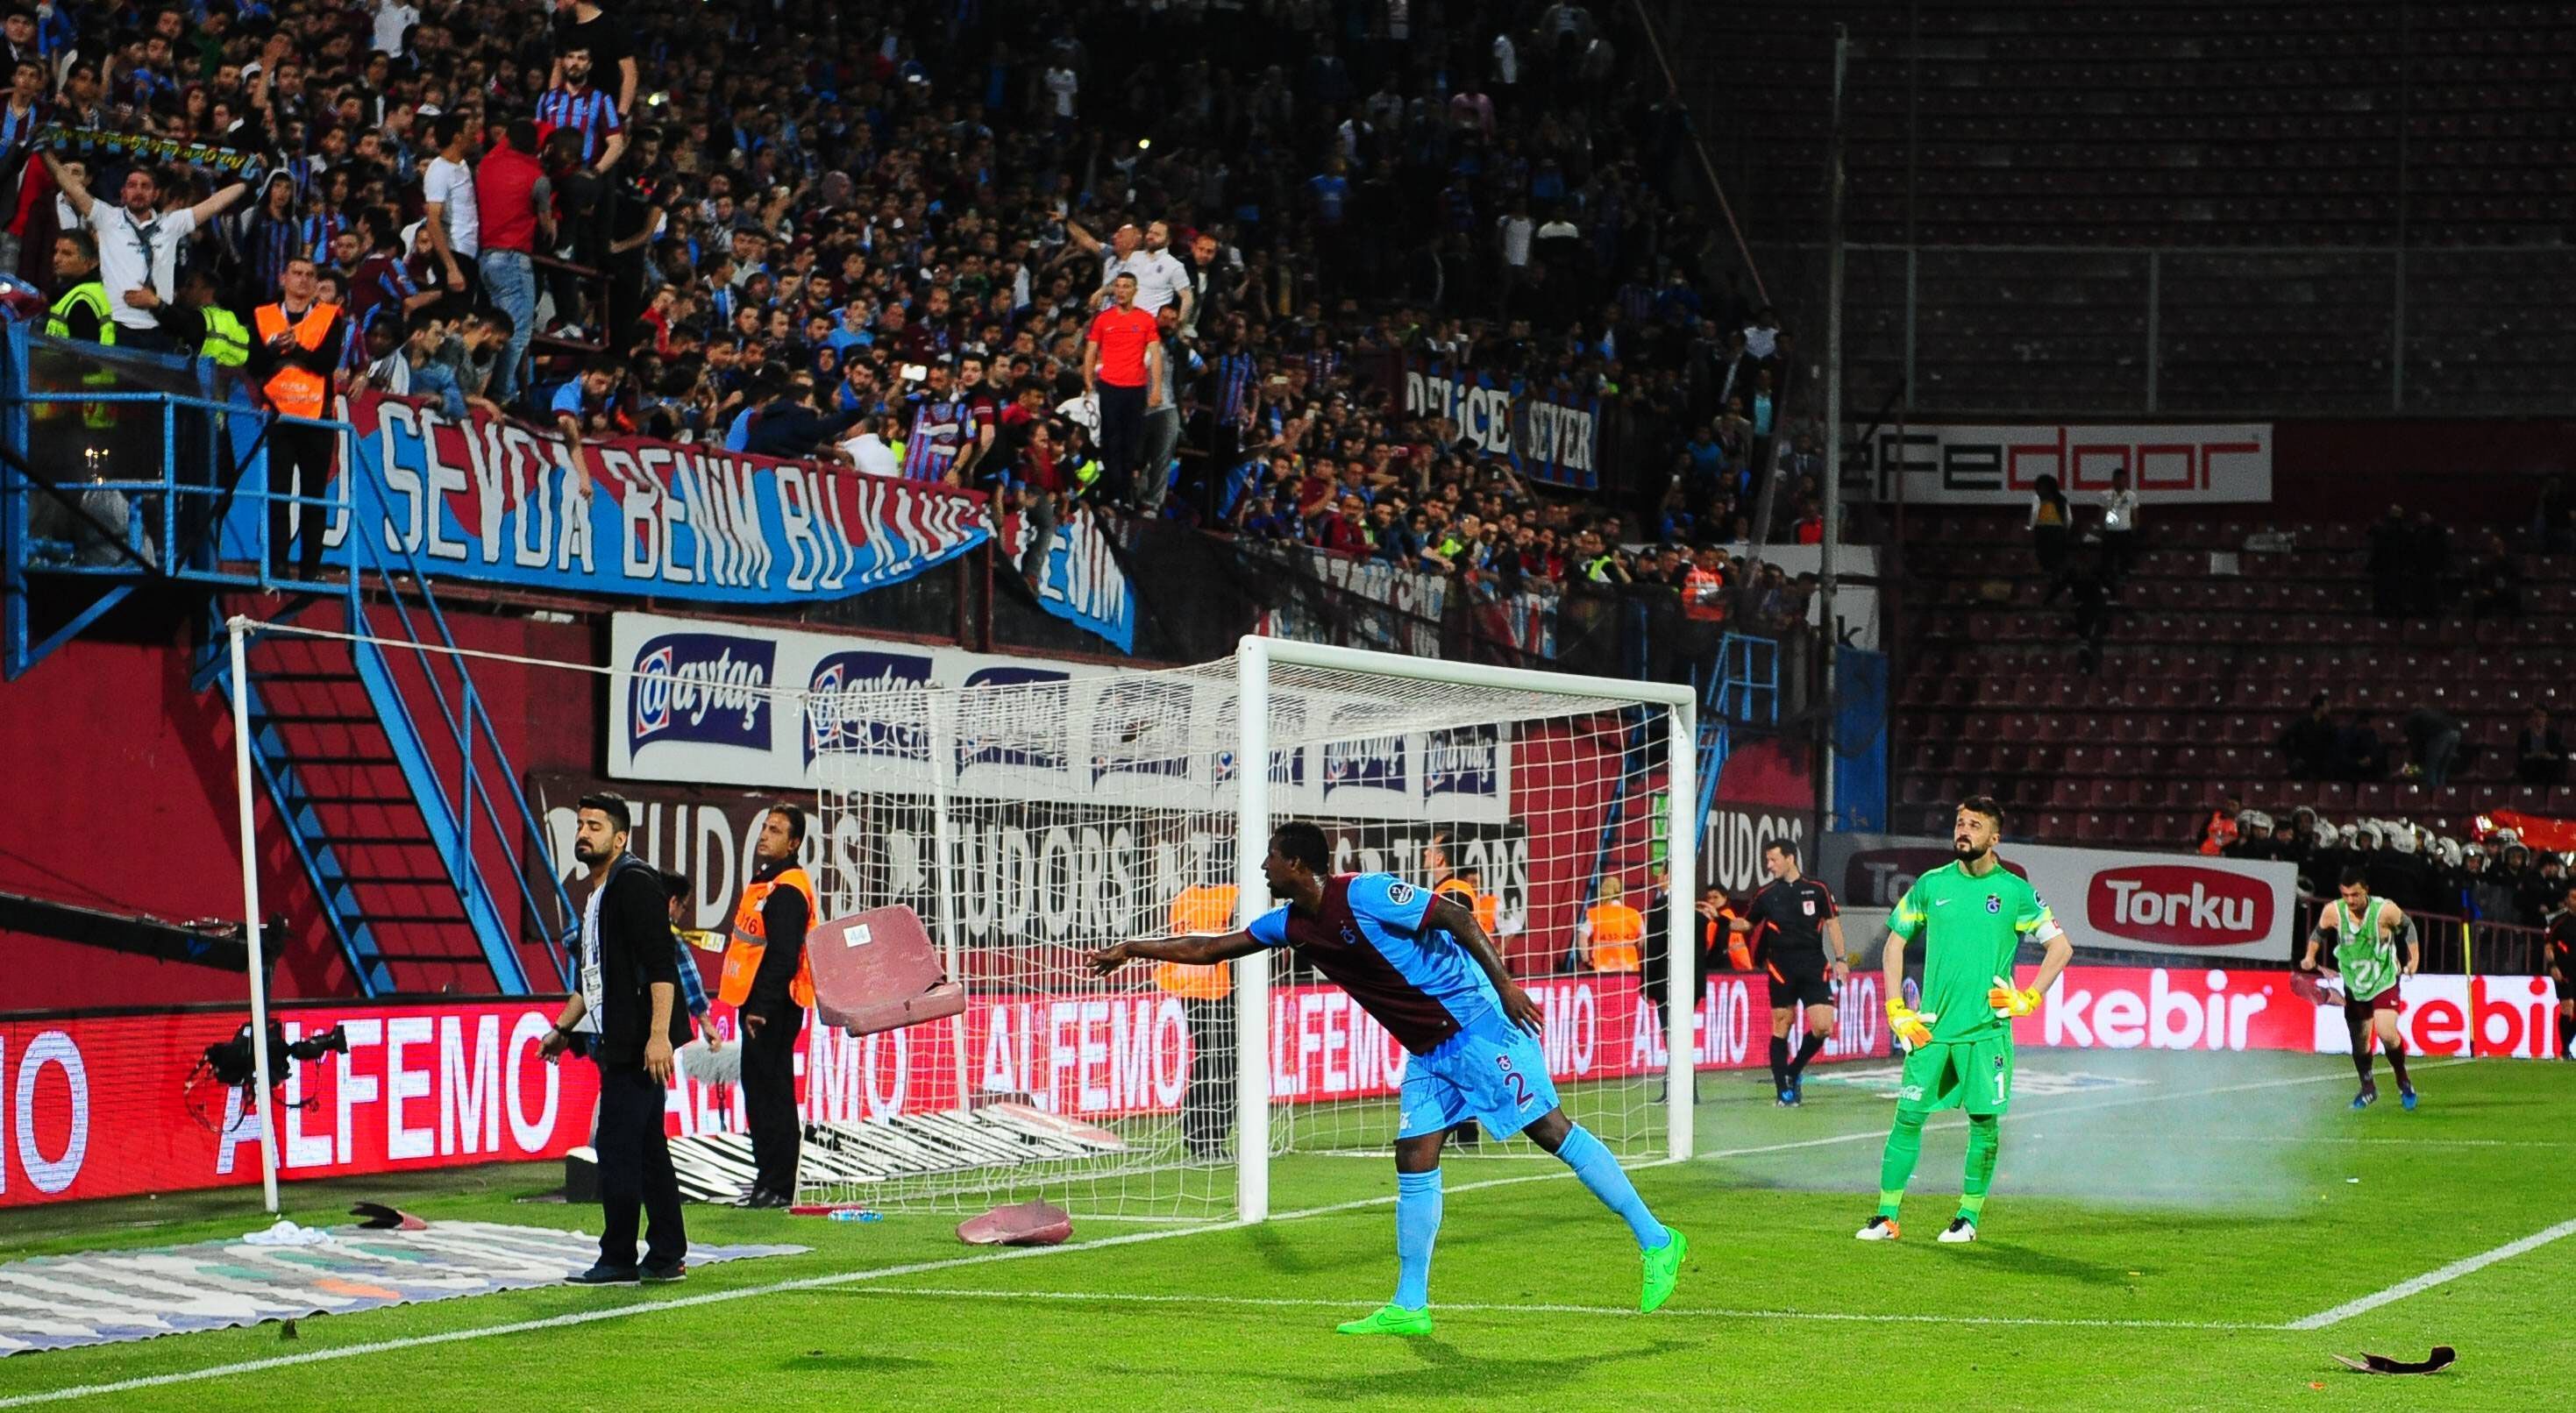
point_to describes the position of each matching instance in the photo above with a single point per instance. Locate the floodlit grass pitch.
(2163, 1299)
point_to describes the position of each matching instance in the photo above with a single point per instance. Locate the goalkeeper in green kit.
(1972, 915)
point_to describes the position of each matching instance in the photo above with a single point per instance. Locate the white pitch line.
(1283, 1302)
(2052, 1111)
(582, 1317)
(2464, 1266)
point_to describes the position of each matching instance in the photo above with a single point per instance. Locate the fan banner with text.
(495, 501)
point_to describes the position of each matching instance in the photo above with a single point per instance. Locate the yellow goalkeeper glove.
(1912, 1030)
(2010, 1001)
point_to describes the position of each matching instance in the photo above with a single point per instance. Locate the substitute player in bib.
(1794, 924)
(1973, 915)
(1424, 968)
(2365, 932)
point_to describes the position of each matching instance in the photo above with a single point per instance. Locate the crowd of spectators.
(2498, 879)
(1166, 256)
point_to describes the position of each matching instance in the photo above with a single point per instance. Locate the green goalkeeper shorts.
(1975, 1075)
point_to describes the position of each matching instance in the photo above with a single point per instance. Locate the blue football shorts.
(1494, 1073)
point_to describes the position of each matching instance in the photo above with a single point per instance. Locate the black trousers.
(635, 1177)
(1122, 438)
(1207, 1106)
(769, 1099)
(299, 463)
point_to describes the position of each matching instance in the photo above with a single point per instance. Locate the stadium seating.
(2199, 675)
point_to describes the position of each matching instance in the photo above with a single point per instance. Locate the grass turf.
(2157, 1221)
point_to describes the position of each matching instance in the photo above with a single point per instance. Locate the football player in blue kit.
(1424, 968)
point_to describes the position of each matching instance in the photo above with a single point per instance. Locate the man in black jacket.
(769, 941)
(627, 1016)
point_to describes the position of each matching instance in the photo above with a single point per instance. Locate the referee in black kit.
(1793, 919)
(628, 1018)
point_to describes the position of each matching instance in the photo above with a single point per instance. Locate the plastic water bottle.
(857, 1214)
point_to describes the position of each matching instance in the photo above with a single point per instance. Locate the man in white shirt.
(868, 450)
(1062, 84)
(455, 222)
(1762, 336)
(393, 21)
(1161, 278)
(1514, 231)
(138, 244)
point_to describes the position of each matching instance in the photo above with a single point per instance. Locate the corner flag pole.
(238, 627)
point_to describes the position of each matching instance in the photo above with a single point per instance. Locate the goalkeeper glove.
(1912, 1030)
(2010, 1001)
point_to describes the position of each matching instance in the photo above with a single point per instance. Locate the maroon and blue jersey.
(1371, 937)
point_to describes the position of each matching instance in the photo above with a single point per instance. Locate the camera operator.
(628, 1015)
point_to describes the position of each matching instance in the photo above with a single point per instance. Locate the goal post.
(1032, 814)
(1254, 662)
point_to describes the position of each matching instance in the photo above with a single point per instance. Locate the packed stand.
(984, 246)
(2496, 879)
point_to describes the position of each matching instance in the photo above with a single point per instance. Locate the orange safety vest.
(1201, 908)
(1704, 596)
(1617, 929)
(1486, 906)
(750, 939)
(1715, 934)
(295, 391)
(2218, 833)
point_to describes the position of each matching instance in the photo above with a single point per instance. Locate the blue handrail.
(451, 817)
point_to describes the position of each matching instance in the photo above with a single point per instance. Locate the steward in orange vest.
(1614, 930)
(296, 350)
(1201, 908)
(769, 978)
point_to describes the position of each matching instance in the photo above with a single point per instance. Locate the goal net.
(1031, 820)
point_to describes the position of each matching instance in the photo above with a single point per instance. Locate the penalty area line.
(713, 1297)
(2466, 1265)
(1276, 1302)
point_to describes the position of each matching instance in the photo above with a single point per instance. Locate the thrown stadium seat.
(877, 970)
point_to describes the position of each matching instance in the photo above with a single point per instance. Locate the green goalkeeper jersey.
(1971, 928)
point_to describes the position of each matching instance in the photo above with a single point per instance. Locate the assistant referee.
(1794, 924)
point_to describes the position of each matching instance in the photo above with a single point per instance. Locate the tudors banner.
(496, 501)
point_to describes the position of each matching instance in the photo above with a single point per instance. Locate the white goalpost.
(1031, 816)
(1031, 823)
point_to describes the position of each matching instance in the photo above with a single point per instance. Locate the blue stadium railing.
(200, 517)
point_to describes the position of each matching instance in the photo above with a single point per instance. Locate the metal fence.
(2083, 330)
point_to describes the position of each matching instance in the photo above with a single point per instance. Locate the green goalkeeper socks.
(1985, 1143)
(1896, 1165)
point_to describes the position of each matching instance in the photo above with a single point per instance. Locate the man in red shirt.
(512, 203)
(1122, 363)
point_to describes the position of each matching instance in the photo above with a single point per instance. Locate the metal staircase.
(368, 732)
(1742, 692)
(411, 843)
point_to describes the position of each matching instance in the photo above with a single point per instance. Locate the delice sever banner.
(495, 501)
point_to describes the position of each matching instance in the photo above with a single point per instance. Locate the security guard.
(770, 981)
(1207, 1106)
(300, 339)
(81, 312)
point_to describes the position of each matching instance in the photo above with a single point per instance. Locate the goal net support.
(1032, 819)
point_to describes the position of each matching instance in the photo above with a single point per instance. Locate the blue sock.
(1417, 1221)
(1601, 1173)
